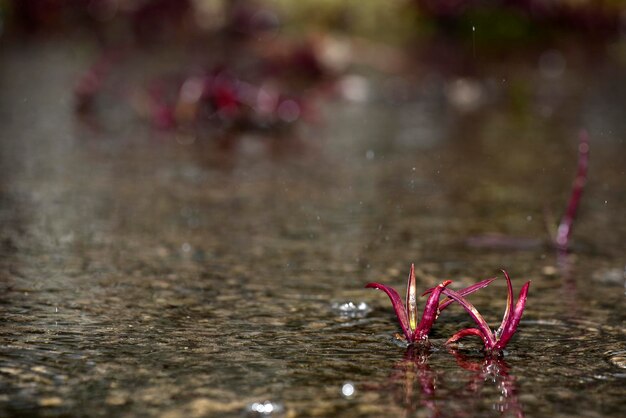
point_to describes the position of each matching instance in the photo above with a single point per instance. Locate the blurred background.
(213, 67)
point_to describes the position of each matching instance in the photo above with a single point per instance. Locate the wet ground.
(148, 275)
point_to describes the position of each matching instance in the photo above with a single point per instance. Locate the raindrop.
(474, 41)
(347, 390)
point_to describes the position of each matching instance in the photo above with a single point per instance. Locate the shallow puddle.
(144, 276)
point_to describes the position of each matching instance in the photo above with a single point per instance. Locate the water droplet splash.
(264, 408)
(351, 309)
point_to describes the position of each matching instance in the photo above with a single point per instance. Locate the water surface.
(148, 276)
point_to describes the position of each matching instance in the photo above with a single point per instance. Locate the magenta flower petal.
(466, 333)
(509, 305)
(476, 316)
(431, 311)
(413, 331)
(396, 301)
(464, 292)
(411, 300)
(513, 322)
(407, 315)
(510, 321)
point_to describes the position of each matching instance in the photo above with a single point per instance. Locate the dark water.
(146, 275)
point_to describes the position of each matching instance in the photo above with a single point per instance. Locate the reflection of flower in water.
(416, 380)
(414, 385)
(492, 369)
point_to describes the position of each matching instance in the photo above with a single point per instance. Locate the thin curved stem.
(566, 225)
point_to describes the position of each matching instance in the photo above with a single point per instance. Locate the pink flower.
(512, 315)
(407, 314)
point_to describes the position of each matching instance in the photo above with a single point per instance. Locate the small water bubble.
(529, 218)
(351, 309)
(186, 247)
(370, 154)
(264, 408)
(347, 390)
